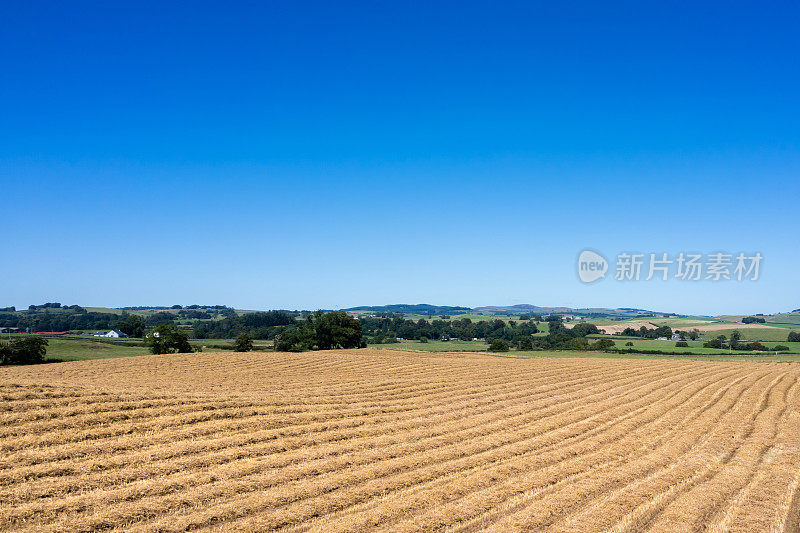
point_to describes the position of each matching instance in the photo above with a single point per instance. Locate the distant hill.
(429, 309)
(413, 309)
(520, 308)
(584, 311)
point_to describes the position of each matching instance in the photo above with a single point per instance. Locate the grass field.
(772, 334)
(87, 348)
(695, 348)
(81, 349)
(363, 439)
(785, 320)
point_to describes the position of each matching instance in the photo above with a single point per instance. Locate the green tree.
(132, 325)
(167, 338)
(735, 338)
(581, 330)
(793, 337)
(499, 345)
(295, 338)
(336, 329)
(243, 343)
(26, 350)
(713, 343)
(525, 343)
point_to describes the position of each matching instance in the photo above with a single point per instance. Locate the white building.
(115, 333)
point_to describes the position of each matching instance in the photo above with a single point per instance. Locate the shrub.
(681, 344)
(423, 339)
(243, 343)
(602, 344)
(629, 343)
(780, 348)
(793, 337)
(499, 345)
(755, 347)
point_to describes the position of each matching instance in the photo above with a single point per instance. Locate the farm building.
(115, 333)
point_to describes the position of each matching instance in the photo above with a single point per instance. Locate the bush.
(243, 343)
(499, 345)
(793, 337)
(713, 343)
(602, 344)
(23, 351)
(755, 347)
(423, 339)
(681, 344)
(629, 343)
(780, 348)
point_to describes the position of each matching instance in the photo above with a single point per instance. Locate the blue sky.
(307, 155)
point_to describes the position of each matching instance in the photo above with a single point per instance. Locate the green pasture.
(475, 347)
(695, 347)
(81, 349)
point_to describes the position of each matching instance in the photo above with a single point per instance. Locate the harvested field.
(363, 439)
(619, 328)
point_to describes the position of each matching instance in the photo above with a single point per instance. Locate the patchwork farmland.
(403, 441)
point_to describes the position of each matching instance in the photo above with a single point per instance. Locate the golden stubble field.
(363, 439)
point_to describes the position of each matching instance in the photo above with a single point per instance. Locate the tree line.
(317, 331)
(258, 325)
(58, 321)
(381, 330)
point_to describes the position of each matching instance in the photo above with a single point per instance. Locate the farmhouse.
(115, 333)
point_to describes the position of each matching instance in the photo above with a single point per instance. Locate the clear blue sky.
(307, 155)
